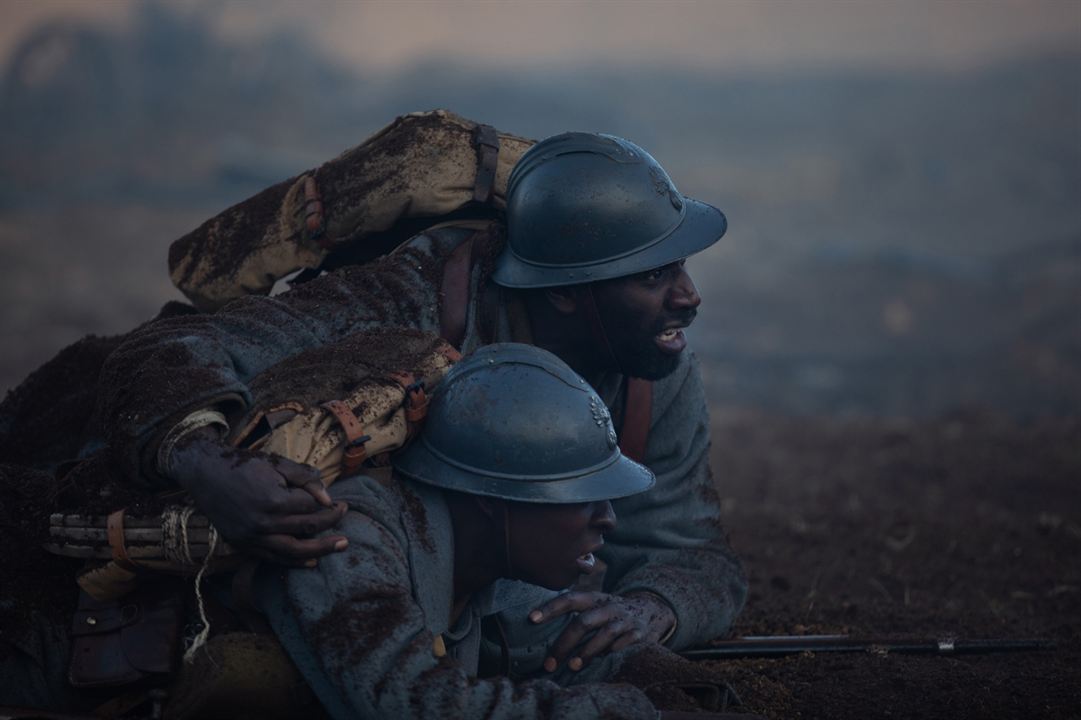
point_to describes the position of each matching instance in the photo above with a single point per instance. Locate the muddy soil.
(966, 526)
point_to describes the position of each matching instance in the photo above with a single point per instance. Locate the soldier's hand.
(263, 504)
(617, 621)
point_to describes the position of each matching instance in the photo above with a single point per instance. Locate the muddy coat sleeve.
(169, 368)
(669, 541)
(356, 632)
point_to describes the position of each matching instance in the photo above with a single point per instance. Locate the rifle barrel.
(780, 645)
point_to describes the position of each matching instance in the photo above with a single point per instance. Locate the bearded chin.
(646, 362)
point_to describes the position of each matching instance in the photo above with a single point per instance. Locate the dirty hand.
(617, 620)
(266, 505)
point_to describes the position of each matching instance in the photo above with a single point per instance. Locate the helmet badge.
(663, 187)
(602, 418)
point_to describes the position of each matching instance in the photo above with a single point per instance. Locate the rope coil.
(176, 547)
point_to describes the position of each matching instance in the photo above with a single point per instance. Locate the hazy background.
(902, 179)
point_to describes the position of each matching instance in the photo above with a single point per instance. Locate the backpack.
(422, 169)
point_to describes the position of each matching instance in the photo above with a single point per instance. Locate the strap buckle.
(416, 402)
(486, 141)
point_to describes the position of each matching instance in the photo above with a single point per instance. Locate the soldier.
(503, 500)
(510, 479)
(592, 270)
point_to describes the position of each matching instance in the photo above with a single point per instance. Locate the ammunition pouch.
(133, 639)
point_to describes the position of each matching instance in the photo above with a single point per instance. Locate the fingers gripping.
(304, 477)
(288, 550)
(615, 623)
(308, 524)
(566, 603)
(596, 619)
(604, 641)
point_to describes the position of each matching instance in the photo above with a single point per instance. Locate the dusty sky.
(718, 34)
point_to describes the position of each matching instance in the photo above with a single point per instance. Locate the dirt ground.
(968, 526)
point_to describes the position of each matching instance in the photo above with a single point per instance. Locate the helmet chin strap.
(506, 541)
(596, 327)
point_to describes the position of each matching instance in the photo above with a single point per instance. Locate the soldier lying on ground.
(592, 270)
(504, 494)
(511, 431)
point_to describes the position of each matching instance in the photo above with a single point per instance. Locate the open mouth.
(586, 563)
(671, 340)
(669, 334)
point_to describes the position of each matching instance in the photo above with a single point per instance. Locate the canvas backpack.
(422, 169)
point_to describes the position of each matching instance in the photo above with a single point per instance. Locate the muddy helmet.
(584, 207)
(514, 421)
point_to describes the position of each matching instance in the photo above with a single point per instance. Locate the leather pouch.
(124, 641)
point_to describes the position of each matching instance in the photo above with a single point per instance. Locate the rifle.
(753, 646)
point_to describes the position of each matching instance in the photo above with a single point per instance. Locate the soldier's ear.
(563, 299)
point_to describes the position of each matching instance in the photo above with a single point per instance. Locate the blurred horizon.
(902, 180)
(727, 35)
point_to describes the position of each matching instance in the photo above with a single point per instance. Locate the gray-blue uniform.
(370, 628)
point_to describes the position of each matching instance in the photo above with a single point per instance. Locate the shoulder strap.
(455, 293)
(456, 271)
(486, 141)
(637, 411)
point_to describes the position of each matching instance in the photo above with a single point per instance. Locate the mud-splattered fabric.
(362, 626)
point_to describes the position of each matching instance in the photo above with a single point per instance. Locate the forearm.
(676, 548)
(170, 368)
(705, 588)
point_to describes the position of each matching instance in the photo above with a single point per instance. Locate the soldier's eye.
(657, 274)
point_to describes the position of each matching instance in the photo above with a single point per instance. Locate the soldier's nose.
(684, 294)
(604, 517)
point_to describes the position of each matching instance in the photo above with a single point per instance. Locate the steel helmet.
(584, 207)
(514, 421)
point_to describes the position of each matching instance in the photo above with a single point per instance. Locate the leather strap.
(114, 532)
(314, 226)
(486, 140)
(637, 412)
(449, 352)
(416, 400)
(596, 325)
(355, 452)
(416, 403)
(454, 303)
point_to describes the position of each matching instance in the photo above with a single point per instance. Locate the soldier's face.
(551, 545)
(644, 316)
